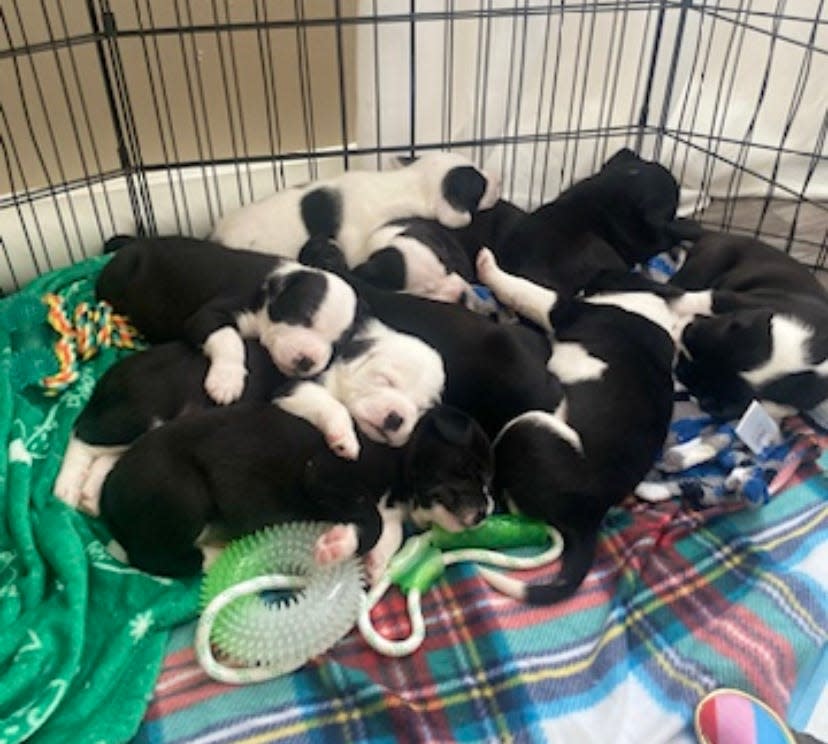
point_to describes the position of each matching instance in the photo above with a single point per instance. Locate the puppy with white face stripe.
(613, 353)
(761, 330)
(382, 381)
(178, 288)
(442, 186)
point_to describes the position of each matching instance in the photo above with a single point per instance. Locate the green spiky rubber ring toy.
(262, 639)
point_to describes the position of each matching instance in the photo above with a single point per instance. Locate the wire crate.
(157, 116)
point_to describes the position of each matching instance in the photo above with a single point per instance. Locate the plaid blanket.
(679, 602)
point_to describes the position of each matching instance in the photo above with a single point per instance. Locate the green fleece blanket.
(81, 635)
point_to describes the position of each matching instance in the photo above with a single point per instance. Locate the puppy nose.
(303, 364)
(393, 421)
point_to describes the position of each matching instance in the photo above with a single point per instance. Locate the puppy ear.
(322, 252)
(624, 155)
(455, 426)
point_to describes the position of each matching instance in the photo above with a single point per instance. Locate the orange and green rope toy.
(88, 328)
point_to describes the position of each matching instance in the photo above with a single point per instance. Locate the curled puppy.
(760, 331)
(613, 354)
(240, 468)
(443, 186)
(621, 216)
(382, 379)
(177, 288)
(141, 392)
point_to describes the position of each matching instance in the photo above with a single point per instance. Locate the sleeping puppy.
(493, 371)
(382, 380)
(439, 185)
(136, 394)
(613, 354)
(761, 331)
(178, 288)
(244, 467)
(424, 258)
(621, 216)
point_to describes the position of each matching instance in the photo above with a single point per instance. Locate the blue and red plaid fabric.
(679, 602)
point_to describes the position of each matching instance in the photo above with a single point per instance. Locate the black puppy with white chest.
(761, 331)
(246, 466)
(613, 353)
(178, 288)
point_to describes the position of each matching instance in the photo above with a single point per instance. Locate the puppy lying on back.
(240, 468)
(762, 330)
(178, 288)
(439, 185)
(621, 216)
(613, 354)
(138, 393)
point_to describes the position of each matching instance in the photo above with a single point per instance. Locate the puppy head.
(457, 187)
(646, 182)
(643, 197)
(387, 380)
(732, 342)
(302, 314)
(448, 470)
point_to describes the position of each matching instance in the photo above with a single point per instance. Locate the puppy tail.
(576, 559)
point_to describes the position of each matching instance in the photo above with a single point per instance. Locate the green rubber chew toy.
(266, 637)
(497, 532)
(422, 560)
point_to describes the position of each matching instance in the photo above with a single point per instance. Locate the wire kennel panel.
(158, 116)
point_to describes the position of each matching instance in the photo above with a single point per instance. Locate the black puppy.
(243, 467)
(613, 353)
(762, 329)
(136, 394)
(621, 216)
(178, 288)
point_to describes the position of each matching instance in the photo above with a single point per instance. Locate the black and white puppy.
(424, 258)
(141, 392)
(381, 380)
(240, 468)
(609, 222)
(442, 186)
(178, 288)
(613, 354)
(761, 330)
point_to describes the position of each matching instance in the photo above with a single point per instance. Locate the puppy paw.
(225, 382)
(335, 545)
(342, 440)
(90, 503)
(69, 484)
(486, 265)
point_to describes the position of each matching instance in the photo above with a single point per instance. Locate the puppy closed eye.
(384, 380)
